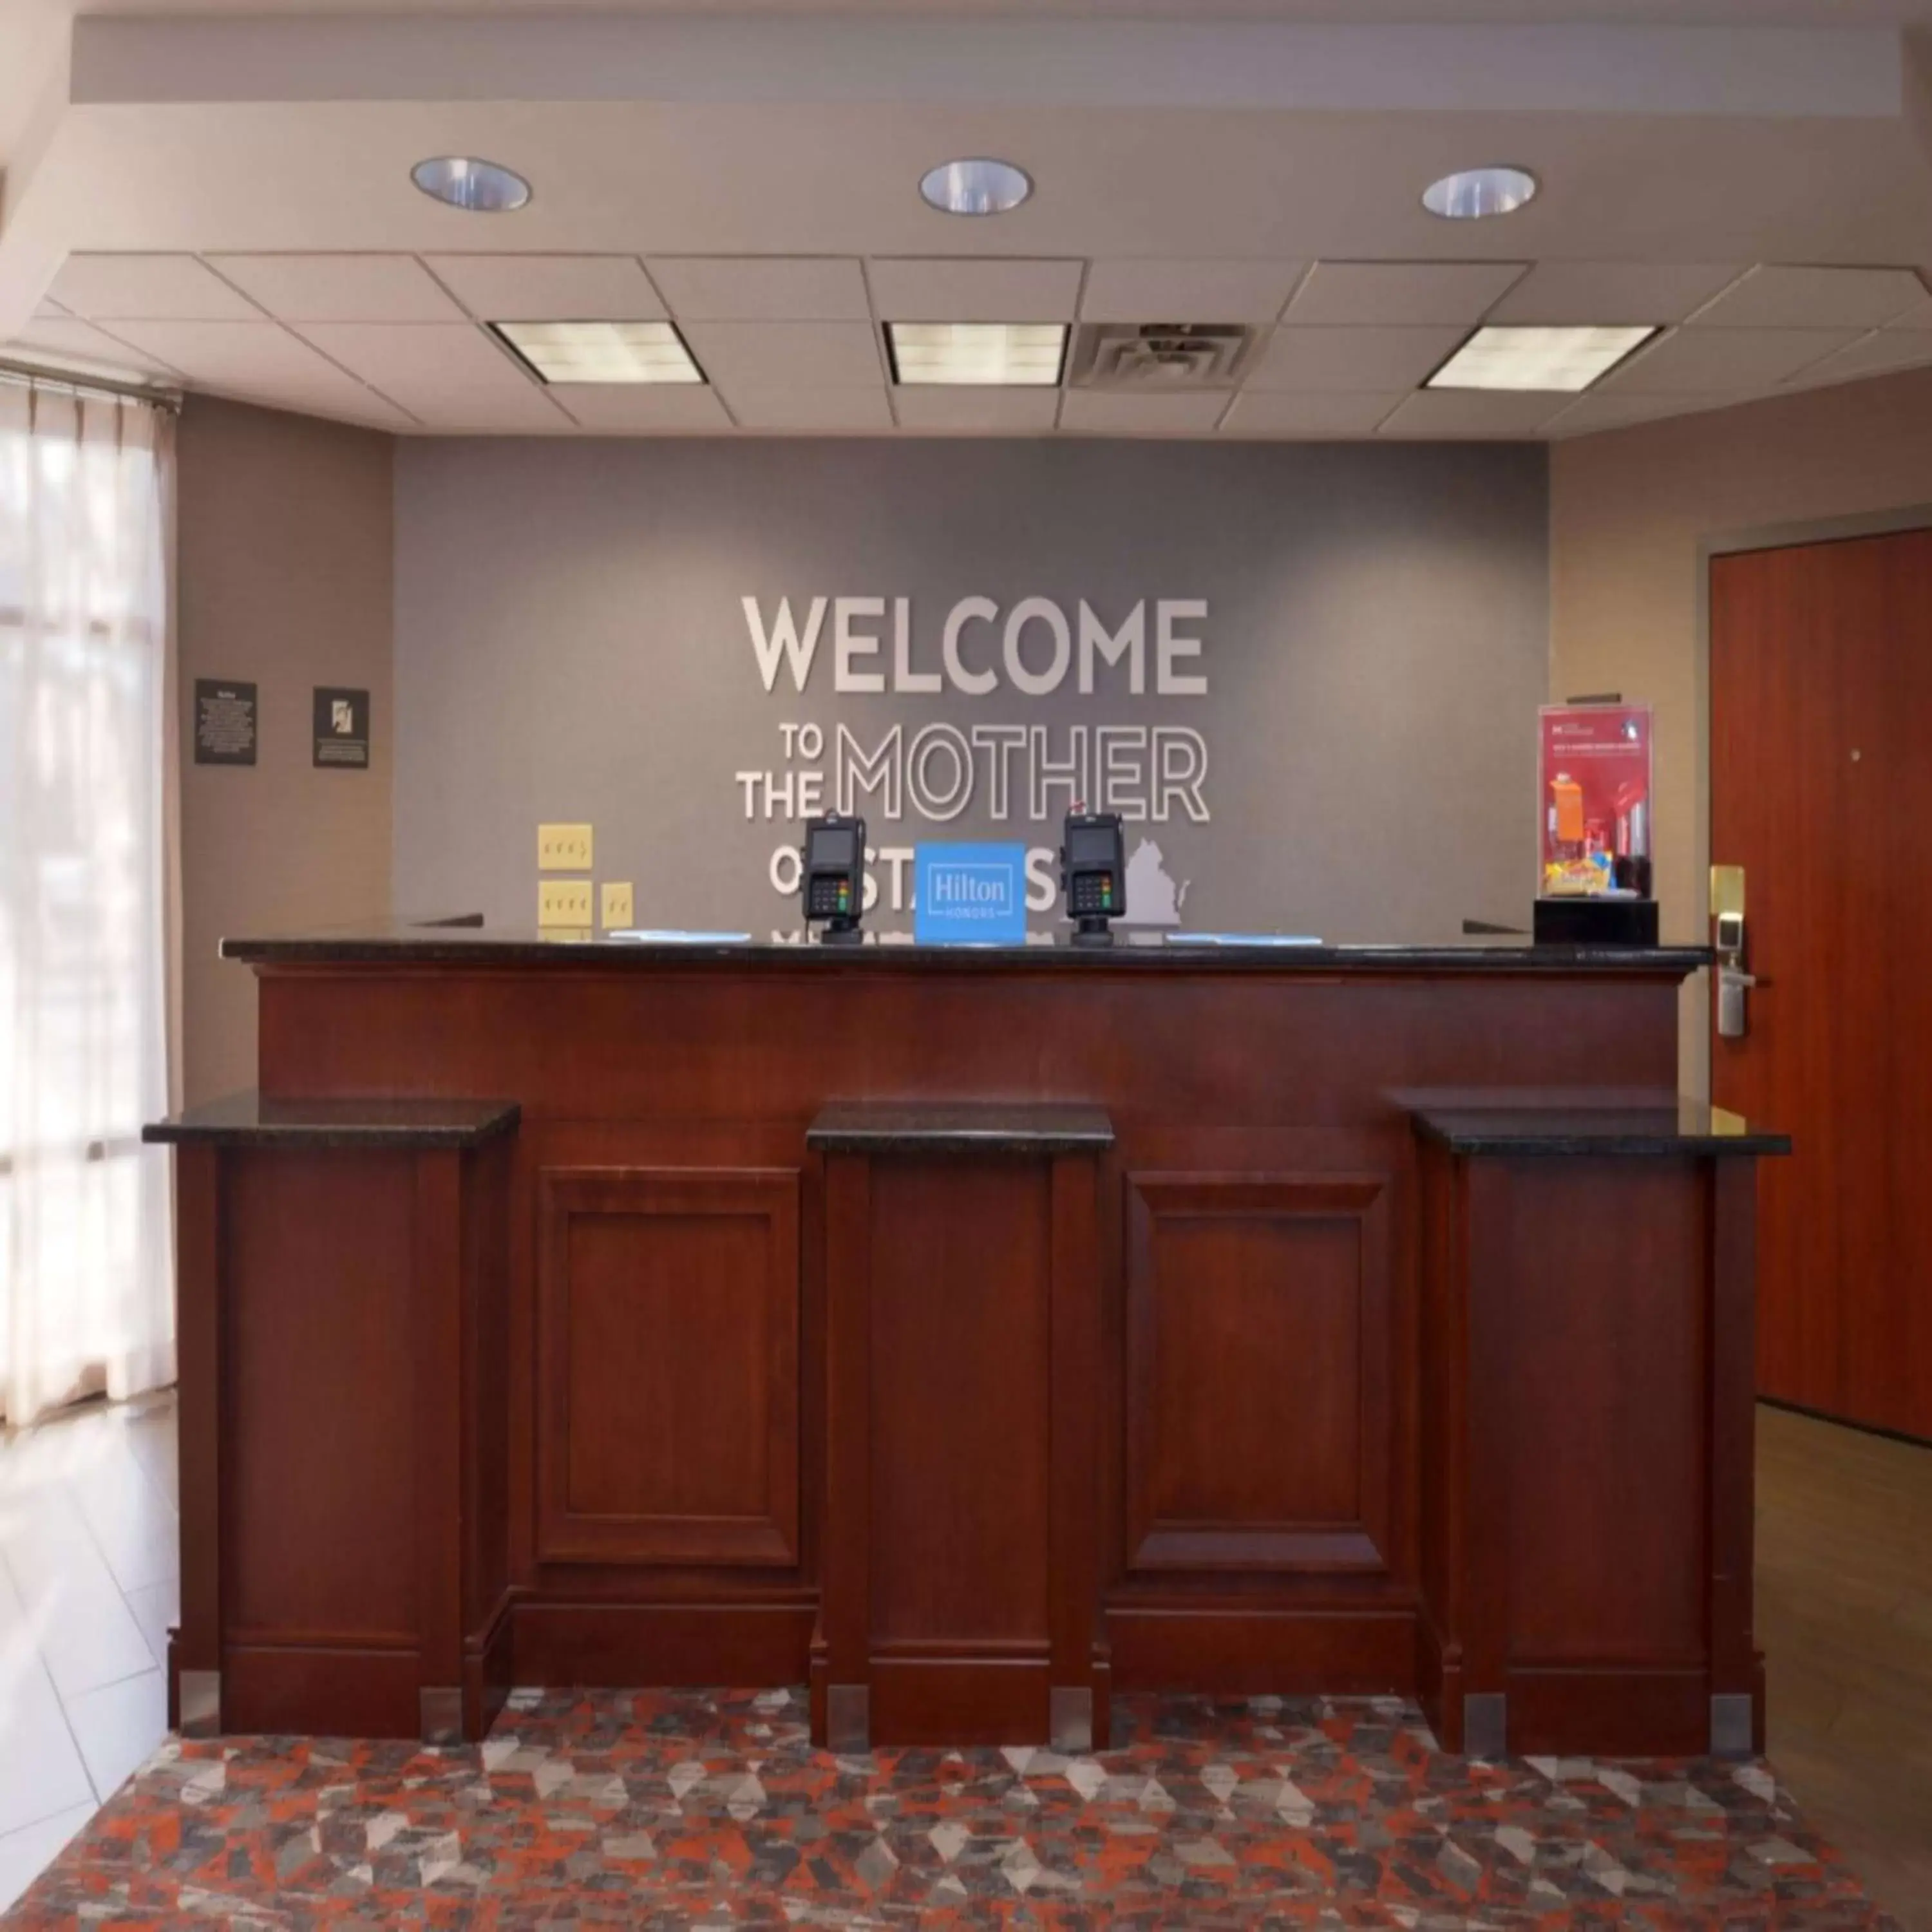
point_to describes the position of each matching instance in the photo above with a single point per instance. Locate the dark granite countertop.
(442, 943)
(917, 1126)
(1687, 1127)
(246, 1119)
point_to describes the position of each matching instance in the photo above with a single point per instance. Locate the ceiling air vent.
(1159, 355)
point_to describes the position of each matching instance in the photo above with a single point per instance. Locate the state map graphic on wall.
(1153, 898)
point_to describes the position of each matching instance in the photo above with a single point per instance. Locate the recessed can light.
(978, 187)
(1474, 193)
(482, 188)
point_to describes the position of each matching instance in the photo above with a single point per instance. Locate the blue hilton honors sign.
(970, 895)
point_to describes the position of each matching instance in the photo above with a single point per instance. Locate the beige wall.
(284, 574)
(1628, 512)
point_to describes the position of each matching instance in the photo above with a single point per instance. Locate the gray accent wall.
(571, 644)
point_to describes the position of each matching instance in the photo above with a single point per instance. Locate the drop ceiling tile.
(504, 416)
(947, 289)
(233, 354)
(1602, 409)
(149, 288)
(667, 408)
(1172, 291)
(1875, 355)
(448, 376)
(763, 288)
(1385, 294)
(1353, 359)
(1473, 412)
(63, 340)
(973, 408)
(549, 288)
(1308, 412)
(1778, 298)
(340, 288)
(1713, 361)
(1604, 294)
(787, 354)
(365, 409)
(263, 362)
(1114, 413)
(828, 410)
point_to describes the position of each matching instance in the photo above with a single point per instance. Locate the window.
(86, 1294)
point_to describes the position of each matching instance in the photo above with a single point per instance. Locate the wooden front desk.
(629, 1430)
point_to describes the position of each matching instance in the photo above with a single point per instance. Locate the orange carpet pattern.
(687, 1808)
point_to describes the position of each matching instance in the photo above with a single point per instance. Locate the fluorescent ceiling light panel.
(602, 352)
(1537, 358)
(1013, 355)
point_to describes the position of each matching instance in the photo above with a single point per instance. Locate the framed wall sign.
(341, 728)
(225, 721)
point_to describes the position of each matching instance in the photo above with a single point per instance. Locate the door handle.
(1733, 1013)
(1734, 980)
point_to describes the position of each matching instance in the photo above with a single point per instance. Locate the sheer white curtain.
(86, 1262)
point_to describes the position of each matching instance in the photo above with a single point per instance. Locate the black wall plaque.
(224, 721)
(342, 728)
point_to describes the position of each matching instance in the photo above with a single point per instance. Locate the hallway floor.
(88, 1584)
(1844, 1616)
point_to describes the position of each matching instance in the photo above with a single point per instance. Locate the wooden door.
(1821, 787)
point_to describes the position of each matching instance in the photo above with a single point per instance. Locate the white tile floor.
(89, 1582)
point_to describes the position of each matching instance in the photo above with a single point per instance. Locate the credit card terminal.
(833, 877)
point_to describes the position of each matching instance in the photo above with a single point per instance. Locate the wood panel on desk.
(959, 1291)
(667, 1374)
(960, 1282)
(603, 1618)
(344, 1553)
(1586, 1426)
(439, 1302)
(484, 1454)
(1184, 1052)
(1271, 1293)
(1442, 1423)
(318, 1390)
(960, 1562)
(1599, 1420)
(194, 1648)
(736, 1637)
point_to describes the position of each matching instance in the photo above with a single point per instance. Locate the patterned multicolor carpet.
(671, 1808)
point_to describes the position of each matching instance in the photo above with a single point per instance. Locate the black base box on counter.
(1595, 921)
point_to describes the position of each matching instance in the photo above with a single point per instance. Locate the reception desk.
(969, 1334)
